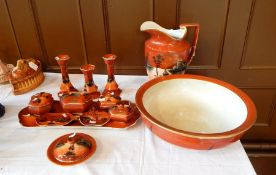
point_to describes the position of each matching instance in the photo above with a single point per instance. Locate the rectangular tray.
(30, 121)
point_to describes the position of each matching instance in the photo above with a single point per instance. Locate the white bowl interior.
(195, 106)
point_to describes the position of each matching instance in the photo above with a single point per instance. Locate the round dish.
(54, 119)
(71, 149)
(195, 111)
(94, 118)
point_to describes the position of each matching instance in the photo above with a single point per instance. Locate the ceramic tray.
(28, 120)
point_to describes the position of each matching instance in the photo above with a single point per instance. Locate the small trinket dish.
(75, 102)
(28, 120)
(94, 118)
(71, 149)
(108, 101)
(54, 119)
(122, 111)
(26, 76)
(40, 103)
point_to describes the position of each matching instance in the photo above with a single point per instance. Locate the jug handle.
(195, 38)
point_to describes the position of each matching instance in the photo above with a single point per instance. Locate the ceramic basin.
(195, 111)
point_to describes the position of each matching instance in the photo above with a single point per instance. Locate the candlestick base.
(113, 92)
(90, 89)
(67, 87)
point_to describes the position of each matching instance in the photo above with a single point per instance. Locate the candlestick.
(87, 70)
(66, 85)
(111, 86)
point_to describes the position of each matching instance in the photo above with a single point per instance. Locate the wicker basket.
(29, 82)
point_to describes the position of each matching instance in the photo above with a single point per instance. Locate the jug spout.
(155, 29)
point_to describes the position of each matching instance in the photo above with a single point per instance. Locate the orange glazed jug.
(167, 52)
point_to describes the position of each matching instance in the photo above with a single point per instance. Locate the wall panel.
(259, 51)
(126, 39)
(94, 32)
(61, 30)
(25, 29)
(212, 16)
(9, 50)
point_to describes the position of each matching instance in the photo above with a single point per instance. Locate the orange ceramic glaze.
(122, 111)
(71, 149)
(87, 70)
(54, 119)
(66, 85)
(75, 101)
(40, 103)
(190, 142)
(190, 139)
(167, 52)
(28, 120)
(108, 101)
(95, 117)
(111, 86)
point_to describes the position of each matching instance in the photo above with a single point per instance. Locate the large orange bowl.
(195, 111)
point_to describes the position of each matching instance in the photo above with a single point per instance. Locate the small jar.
(122, 111)
(41, 103)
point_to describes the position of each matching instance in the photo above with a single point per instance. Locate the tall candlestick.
(66, 85)
(111, 86)
(87, 70)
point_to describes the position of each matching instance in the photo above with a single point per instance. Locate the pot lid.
(71, 149)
